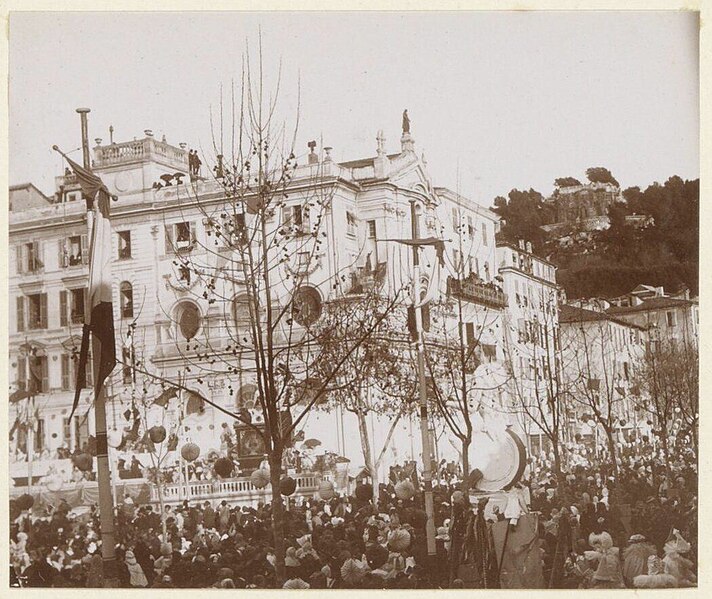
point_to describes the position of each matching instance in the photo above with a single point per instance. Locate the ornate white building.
(159, 311)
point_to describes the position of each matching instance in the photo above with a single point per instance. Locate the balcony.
(476, 291)
(139, 150)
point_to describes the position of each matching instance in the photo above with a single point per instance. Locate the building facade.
(165, 246)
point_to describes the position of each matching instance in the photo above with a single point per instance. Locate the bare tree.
(538, 391)
(371, 379)
(262, 275)
(594, 373)
(667, 378)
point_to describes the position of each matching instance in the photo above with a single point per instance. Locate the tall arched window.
(126, 300)
(241, 316)
(188, 317)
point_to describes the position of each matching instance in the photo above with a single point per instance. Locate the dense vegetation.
(612, 262)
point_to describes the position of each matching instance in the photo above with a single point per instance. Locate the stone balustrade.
(138, 150)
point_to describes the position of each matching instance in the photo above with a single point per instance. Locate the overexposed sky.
(496, 100)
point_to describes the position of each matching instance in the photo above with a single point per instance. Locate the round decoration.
(54, 483)
(189, 320)
(306, 306)
(114, 438)
(83, 461)
(223, 467)
(405, 489)
(122, 181)
(326, 490)
(25, 502)
(157, 434)
(259, 478)
(287, 486)
(501, 460)
(190, 452)
(399, 539)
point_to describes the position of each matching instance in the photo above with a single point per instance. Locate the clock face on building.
(306, 306)
(251, 443)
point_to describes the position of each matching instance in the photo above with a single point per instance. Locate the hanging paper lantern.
(114, 438)
(157, 434)
(25, 502)
(405, 489)
(399, 539)
(287, 486)
(83, 461)
(223, 467)
(326, 490)
(190, 452)
(259, 478)
(364, 492)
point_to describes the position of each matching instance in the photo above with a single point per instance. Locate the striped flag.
(99, 319)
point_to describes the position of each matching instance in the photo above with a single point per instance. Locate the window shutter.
(65, 373)
(63, 308)
(21, 373)
(38, 249)
(470, 333)
(169, 239)
(19, 253)
(21, 313)
(43, 311)
(85, 249)
(45, 374)
(193, 232)
(90, 370)
(85, 299)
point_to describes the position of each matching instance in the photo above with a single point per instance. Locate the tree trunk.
(367, 454)
(466, 442)
(664, 440)
(275, 470)
(612, 448)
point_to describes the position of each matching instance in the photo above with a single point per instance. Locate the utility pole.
(106, 500)
(423, 394)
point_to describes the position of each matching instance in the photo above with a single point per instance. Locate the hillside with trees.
(612, 262)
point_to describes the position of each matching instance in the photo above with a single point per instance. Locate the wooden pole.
(423, 396)
(106, 500)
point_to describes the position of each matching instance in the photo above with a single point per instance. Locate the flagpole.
(423, 395)
(106, 500)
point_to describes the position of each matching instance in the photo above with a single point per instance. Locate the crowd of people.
(598, 527)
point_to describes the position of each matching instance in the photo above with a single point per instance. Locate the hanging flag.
(19, 395)
(195, 403)
(99, 319)
(163, 399)
(438, 244)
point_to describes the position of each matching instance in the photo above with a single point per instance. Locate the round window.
(189, 320)
(306, 306)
